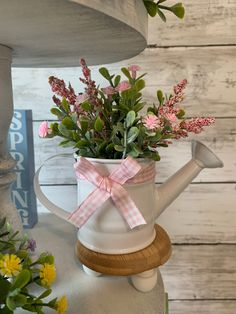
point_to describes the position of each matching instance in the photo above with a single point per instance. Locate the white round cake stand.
(57, 33)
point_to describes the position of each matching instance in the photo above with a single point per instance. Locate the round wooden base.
(154, 255)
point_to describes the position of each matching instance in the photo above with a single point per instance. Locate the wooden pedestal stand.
(139, 265)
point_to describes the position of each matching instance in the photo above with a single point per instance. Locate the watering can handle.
(60, 212)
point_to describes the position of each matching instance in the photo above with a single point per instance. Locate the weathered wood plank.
(203, 213)
(205, 23)
(202, 306)
(201, 272)
(221, 138)
(211, 73)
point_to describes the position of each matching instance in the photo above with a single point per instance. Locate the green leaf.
(52, 303)
(68, 123)
(110, 148)
(21, 279)
(178, 10)
(161, 14)
(67, 143)
(86, 106)
(10, 303)
(117, 80)
(81, 144)
(140, 84)
(130, 117)
(116, 140)
(135, 150)
(74, 118)
(63, 130)
(45, 294)
(160, 96)
(155, 156)
(180, 114)
(20, 300)
(161, 1)
(99, 124)
(139, 106)
(151, 8)
(5, 287)
(119, 148)
(65, 105)
(105, 73)
(132, 134)
(49, 259)
(57, 112)
(102, 147)
(84, 124)
(126, 73)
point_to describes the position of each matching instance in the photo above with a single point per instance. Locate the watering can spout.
(202, 157)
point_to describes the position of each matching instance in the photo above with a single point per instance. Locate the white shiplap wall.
(201, 274)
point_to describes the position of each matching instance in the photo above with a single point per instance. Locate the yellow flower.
(47, 274)
(10, 265)
(61, 305)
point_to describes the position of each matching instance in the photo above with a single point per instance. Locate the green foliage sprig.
(156, 8)
(19, 272)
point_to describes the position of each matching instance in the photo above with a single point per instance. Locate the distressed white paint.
(211, 22)
(210, 71)
(201, 272)
(202, 306)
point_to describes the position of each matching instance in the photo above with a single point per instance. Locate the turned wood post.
(7, 163)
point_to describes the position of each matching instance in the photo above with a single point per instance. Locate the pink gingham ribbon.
(110, 186)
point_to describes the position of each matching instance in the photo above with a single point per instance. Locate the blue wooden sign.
(21, 147)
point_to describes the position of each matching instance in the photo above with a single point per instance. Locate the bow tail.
(88, 207)
(128, 208)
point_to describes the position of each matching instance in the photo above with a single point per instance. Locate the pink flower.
(81, 98)
(109, 90)
(134, 68)
(151, 122)
(196, 125)
(59, 88)
(171, 117)
(44, 130)
(180, 86)
(123, 86)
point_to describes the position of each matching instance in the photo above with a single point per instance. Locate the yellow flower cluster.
(61, 305)
(10, 265)
(47, 274)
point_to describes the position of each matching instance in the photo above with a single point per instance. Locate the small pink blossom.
(196, 125)
(151, 122)
(180, 86)
(59, 88)
(44, 130)
(109, 90)
(123, 86)
(134, 68)
(171, 117)
(81, 98)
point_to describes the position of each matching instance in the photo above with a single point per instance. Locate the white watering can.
(106, 230)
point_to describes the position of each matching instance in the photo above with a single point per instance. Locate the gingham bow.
(110, 186)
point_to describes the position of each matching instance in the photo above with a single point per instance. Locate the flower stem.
(125, 142)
